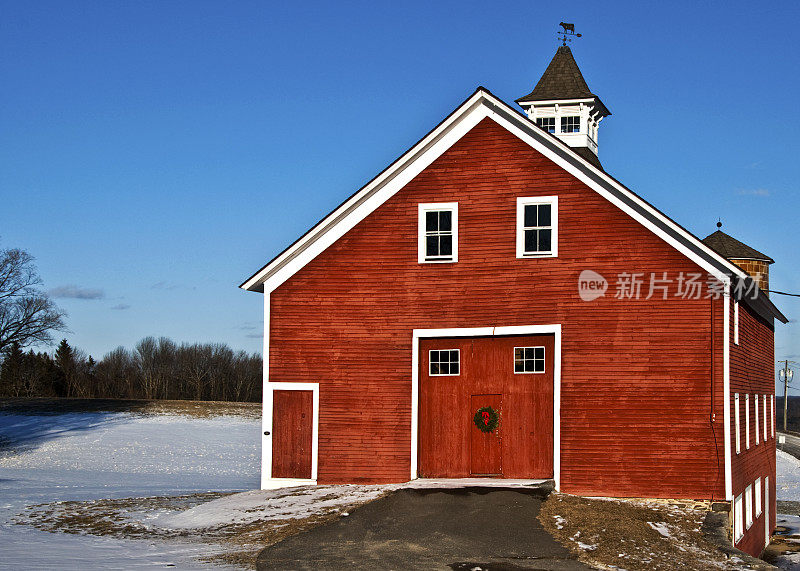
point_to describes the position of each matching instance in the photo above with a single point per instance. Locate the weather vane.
(567, 33)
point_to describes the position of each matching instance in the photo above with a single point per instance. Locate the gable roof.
(562, 80)
(731, 248)
(481, 104)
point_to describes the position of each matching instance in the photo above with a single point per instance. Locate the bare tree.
(27, 315)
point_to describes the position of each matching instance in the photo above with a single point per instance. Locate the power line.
(783, 293)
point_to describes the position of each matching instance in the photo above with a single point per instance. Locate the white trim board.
(552, 329)
(267, 481)
(480, 105)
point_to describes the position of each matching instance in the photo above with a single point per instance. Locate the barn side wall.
(752, 373)
(641, 395)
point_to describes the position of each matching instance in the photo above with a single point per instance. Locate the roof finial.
(719, 223)
(568, 30)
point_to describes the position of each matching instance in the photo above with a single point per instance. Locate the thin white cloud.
(75, 292)
(754, 192)
(121, 306)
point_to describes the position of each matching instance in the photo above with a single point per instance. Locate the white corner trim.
(422, 209)
(726, 390)
(522, 202)
(267, 481)
(553, 329)
(480, 105)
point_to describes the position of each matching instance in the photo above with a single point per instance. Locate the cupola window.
(547, 123)
(571, 124)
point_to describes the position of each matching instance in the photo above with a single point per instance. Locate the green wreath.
(486, 419)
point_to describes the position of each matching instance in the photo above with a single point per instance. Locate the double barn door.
(464, 382)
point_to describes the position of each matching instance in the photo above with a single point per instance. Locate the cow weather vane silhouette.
(567, 33)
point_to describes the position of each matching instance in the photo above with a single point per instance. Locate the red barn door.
(292, 432)
(456, 374)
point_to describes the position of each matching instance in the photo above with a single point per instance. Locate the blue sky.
(155, 154)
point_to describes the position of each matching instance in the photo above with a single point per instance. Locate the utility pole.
(785, 374)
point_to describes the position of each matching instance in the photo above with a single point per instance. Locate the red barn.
(495, 304)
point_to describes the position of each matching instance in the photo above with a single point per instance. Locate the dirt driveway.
(466, 528)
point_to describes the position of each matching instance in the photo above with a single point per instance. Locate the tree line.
(153, 369)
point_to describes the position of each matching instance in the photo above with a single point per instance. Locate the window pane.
(434, 368)
(544, 240)
(539, 368)
(444, 368)
(530, 240)
(454, 356)
(432, 246)
(544, 215)
(530, 215)
(539, 352)
(519, 353)
(445, 221)
(519, 366)
(445, 245)
(431, 221)
(454, 368)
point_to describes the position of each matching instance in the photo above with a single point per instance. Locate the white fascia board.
(726, 390)
(475, 109)
(564, 102)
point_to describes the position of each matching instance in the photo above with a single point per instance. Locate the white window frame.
(738, 423)
(738, 519)
(758, 432)
(444, 374)
(772, 413)
(421, 234)
(735, 322)
(522, 202)
(766, 511)
(757, 486)
(764, 408)
(748, 506)
(514, 361)
(747, 421)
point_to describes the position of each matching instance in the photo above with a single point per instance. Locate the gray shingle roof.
(731, 248)
(562, 80)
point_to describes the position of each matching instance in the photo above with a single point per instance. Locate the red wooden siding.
(451, 446)
(637, 396)
(753, 373)
(292, 433)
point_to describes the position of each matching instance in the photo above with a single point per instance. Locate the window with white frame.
(772, 413)
(736, 322)
(758, 496)
(738, 424)
(438, 233)
(529, 359)
(748, 506)
(738, 519)
(547, 123)
(571, 124)
(747, 421)
(764, 408)
(755, 404)
(537, 227)
(444, 362)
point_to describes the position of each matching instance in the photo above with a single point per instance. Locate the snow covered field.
(90, 456)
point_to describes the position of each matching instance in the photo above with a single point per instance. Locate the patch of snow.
(787, 482)
(661, 527)
(586, 546)
(256, 505)
(92, 456)
(560, 521)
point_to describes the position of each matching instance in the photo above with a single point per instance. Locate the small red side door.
(292, 426)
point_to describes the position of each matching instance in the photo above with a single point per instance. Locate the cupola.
(562, 104)
(749, 259)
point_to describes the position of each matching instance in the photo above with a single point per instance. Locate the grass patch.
(636, 535)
